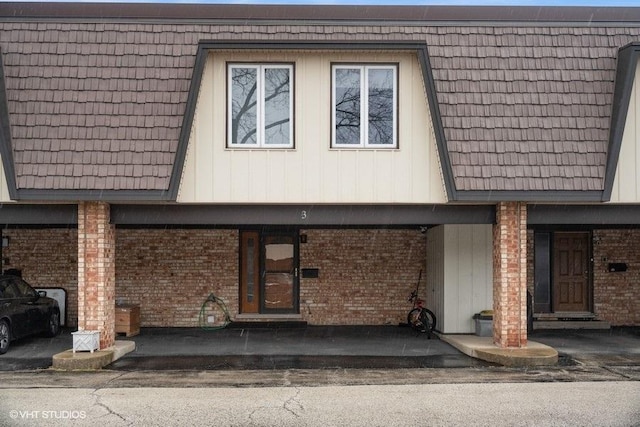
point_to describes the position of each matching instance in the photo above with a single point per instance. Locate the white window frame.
(260, 107)
(364, 105)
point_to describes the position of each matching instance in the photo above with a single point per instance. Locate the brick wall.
(48, 258)
(530, 261)
(365, 275)
(385, 268)
(170, 273)
(617, 295)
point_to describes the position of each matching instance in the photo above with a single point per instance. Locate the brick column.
(96, 271)
(510, 275)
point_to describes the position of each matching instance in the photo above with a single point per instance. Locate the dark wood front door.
(571, 271)
(269, 272)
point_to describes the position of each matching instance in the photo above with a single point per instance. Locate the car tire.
(53, 326)
(5, 336)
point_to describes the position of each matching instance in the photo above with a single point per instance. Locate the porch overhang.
(602, 215)
(301, 215)
(38, 214)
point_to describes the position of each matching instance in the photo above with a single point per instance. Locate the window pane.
(277, 95)
(381, 106)
(347, 105)
(243, 108)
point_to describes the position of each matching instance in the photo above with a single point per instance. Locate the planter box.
(86, 341)
(484, 325)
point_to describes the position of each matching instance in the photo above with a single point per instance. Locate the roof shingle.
(522, 107)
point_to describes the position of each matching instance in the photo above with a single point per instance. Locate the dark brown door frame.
(544, 266)
(255, 292)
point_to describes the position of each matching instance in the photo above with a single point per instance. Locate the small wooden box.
(128, 320)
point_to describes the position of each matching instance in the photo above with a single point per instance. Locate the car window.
(24, 290)
(7, 289)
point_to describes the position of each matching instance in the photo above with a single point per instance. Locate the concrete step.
(267, 321)
(570, 324)
(565, 315)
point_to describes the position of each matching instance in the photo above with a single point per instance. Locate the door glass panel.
(250, 269)
(279, 273)
(250, 272)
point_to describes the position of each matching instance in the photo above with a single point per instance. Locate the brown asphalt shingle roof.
(100, 105)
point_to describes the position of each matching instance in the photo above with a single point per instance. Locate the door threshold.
(570, 324)
(254, 317)
(568, 315)
(267, 321)
(246, 321)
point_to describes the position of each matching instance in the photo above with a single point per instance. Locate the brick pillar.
(96, 271)
(510, 275)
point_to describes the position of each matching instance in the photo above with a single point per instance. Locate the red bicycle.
(420, 318)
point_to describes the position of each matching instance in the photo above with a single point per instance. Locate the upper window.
(364, 104)
(260, 110)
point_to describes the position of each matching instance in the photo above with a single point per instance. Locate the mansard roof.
(94, 96)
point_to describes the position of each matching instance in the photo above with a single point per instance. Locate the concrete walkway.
(533, 354)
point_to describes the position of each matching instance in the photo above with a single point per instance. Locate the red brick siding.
(617, 295)
(96, 271)
(365, 275)
(510, 275)
(170, 273)
(144, 258)
(530, 262)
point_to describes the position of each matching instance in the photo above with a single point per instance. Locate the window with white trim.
(260, 105)
(364, 106)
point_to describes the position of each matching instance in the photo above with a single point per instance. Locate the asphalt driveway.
(615, 346)
(317, 347)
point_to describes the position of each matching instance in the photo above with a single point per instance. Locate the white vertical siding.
(626, 186)
(459, 260)
(4, 188)
(312, 172)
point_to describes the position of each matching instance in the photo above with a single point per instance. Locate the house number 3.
(303, 215)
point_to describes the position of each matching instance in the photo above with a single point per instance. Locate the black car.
(24, 311)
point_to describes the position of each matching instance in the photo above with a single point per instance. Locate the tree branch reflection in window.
(243, 105)
(261, 106)
(381, 105)
(364, 105)
(347, 105)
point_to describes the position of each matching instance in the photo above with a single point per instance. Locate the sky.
(596, 3)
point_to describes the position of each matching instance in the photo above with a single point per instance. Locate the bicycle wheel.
(428, 319)
(414, 319)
